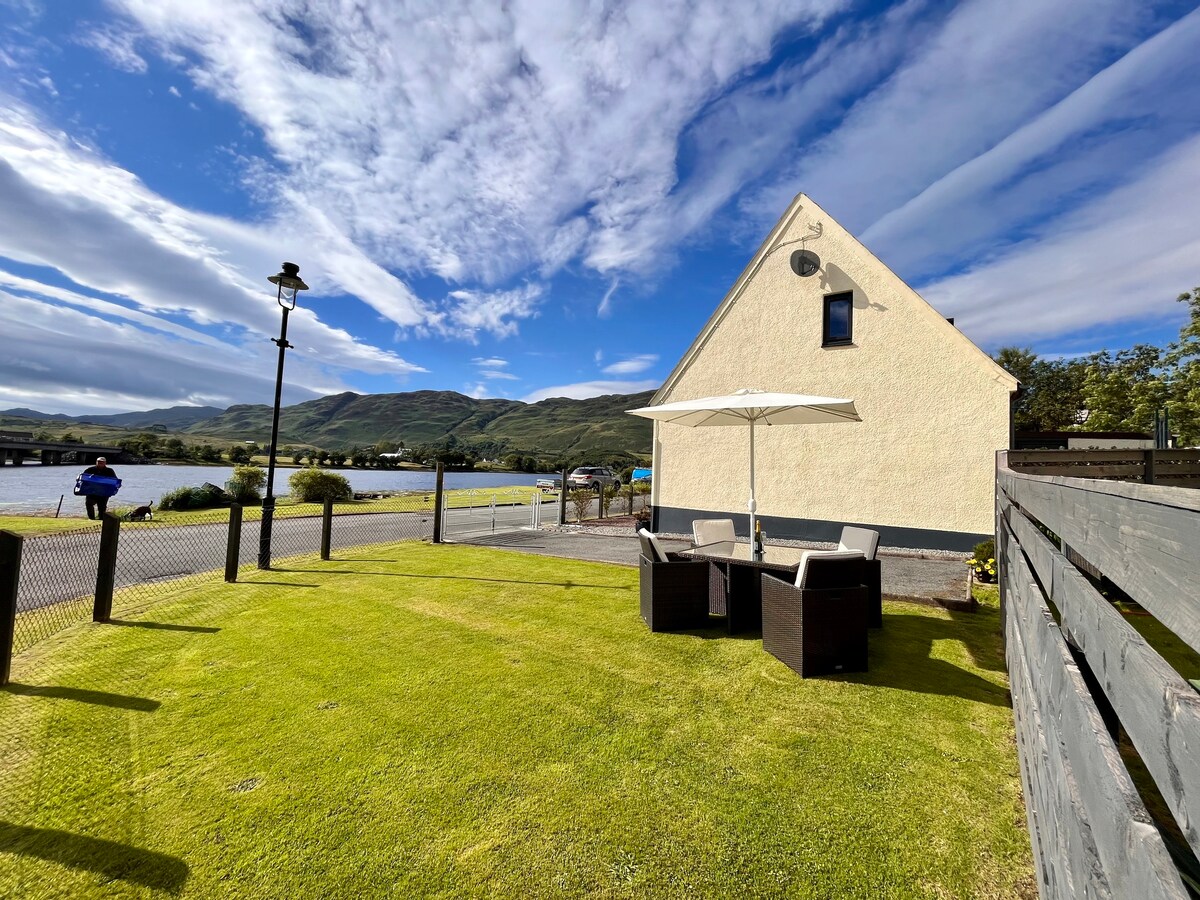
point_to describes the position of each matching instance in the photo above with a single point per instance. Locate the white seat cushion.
(862, 539)
(802, 572)
(659, 554)
(712, 531)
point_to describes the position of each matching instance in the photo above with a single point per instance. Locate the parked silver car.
(593, 478)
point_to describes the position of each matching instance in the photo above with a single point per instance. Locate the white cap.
(101, 459)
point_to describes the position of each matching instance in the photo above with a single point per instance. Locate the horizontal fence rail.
(1173, 468)
(1073, 659)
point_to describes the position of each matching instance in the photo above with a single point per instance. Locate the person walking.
(96, 504)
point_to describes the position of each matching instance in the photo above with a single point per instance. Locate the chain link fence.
(152, 555)
(57, 584)
(59, 572)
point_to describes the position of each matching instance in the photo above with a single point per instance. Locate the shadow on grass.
(107, 858)
(82, 695)
(164, 626)
(564, 584)
(253, 581)
(900, 656)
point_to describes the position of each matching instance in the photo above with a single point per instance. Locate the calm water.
(33, 488)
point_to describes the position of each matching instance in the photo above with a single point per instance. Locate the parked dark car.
(592, 477)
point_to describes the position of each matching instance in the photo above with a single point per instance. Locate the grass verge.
(416, 501)
(425, 721)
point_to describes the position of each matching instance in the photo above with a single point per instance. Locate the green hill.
(341, 421)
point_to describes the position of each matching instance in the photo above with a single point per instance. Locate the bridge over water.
(18, 446)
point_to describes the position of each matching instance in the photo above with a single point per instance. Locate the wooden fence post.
(326, 528)
(106, 567)
(437, 506)
(233, 545)
(10, 576)
(562, 499)
(1148, 477)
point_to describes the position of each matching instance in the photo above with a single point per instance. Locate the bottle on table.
(758, 538)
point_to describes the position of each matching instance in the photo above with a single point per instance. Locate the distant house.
(1083, 440)
(404, 453)
(814, 312)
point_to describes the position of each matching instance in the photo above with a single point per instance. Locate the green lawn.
(417, 501)
(425, 721)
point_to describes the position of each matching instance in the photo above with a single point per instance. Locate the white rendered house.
(814, 312)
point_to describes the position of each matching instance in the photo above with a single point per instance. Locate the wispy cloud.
(117, 45)
(558, 131)
(72, 211)
(631, 365)
(584, 389)
(1135, 248)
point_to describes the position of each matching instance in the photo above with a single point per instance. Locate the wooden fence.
(1081, 676)
(1175, 468)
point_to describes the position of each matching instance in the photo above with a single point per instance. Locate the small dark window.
(839, 313)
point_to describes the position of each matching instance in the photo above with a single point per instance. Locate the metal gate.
(495, 512)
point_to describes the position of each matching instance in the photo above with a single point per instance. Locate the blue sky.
(550, 198)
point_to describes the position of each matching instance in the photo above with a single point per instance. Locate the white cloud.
(1083, 143)
(496, 312)
(1123, 257)
(604, 310)
(584, 389)
(118, 46)
(486, 139)
(631, 365)
(992, 65)
(97, 224)
(119, 365)
(174, 91)
(489, 362)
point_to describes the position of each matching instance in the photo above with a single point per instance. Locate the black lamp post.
(288, 282)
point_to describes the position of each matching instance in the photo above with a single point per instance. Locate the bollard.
(234, 544)
(437, 507)
(10, 577)
(326, 528)
(106, 567)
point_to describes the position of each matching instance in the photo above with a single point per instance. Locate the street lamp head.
(288, 281)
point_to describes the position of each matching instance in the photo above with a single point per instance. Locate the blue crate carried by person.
(96, 486)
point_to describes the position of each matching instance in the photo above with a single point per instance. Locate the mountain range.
(342, 421)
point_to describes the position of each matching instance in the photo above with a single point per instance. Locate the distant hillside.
(176, 418)
(345, 420)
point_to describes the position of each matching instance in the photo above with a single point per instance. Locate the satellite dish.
(805, 263)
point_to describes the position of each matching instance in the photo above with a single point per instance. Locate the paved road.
(60, 567)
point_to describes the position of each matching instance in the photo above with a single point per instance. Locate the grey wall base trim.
(679, 521)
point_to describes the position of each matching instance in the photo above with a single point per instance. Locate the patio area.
(415, 720)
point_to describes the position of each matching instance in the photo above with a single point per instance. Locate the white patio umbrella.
(749, 406)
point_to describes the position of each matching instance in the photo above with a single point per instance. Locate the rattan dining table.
(741, 583)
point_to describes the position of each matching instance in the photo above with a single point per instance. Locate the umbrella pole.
(752, 504)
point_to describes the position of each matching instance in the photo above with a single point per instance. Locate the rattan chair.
(674, 588)
(715, 531)
(818, 626)
(866, 541)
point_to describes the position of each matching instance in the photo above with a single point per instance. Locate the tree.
(337, 457)
(1123, 390)
(174, 448)
(297, 455)
(312, 484)
(1051, 396)
(238, 454)
(246, 483)
(1182, 364)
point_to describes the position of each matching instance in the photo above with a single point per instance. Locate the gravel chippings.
(624, 530)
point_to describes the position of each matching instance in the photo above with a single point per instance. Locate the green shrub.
(185, 498)
(984, 561)
(246, 483)
(313, 484)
